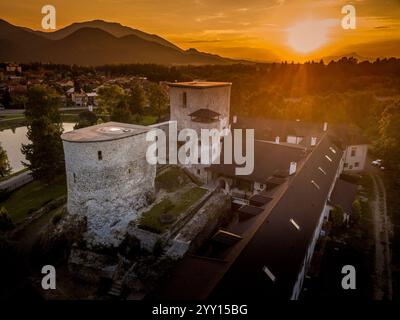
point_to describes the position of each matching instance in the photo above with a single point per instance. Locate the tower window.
(184, 99)
(74, 178)
(99, 155)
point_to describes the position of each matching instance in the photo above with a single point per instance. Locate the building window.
(346, 165)
(353, 151)
(99, 155)
(74, 178)
(184, 99)
(261, 186)
(356, 164)
(198, 172)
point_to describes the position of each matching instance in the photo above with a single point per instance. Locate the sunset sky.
(253, 29)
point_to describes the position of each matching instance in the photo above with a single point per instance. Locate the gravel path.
(382, 231)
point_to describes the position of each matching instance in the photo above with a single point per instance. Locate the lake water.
(12, 139)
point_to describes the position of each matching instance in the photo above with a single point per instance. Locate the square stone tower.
(200, 105)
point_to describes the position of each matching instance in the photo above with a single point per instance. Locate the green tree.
(357, 211)
(6, 101)
(5, 167)
(44, 153)
(388, 143)
(109, 97)
(5, 220)
(86, 119)
(121, 112)
(137, 100)
(158, 100)
(336, 215)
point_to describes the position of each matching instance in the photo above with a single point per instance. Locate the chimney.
(277, 139)
(313, 141)
(325, 126)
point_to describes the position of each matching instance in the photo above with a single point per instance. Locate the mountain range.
(96, 42)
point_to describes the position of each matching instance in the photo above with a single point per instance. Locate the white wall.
(351, 161)
(216, 99)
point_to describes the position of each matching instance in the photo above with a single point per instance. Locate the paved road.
(21, 111)
(16, 181)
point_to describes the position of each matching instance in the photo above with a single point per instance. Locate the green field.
(31, 197)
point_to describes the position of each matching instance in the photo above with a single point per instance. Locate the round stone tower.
(108, 177)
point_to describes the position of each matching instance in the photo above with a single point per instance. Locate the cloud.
(210, 17)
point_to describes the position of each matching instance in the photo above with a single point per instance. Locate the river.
(12, 139)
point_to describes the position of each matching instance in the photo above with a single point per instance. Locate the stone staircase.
(116, 289)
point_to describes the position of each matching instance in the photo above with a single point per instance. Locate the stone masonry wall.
(108, 191)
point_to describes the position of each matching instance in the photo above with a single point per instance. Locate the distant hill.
(101, 43)
(348, 55)
(116, 29)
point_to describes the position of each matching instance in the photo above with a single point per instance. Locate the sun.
(308, 36)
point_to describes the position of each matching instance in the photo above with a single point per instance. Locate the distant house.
(79, 99)
(92, 99)
(15, 68)
(356, 147)
(17, 89)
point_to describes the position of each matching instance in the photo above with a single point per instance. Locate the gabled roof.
(278, 244)
(269, 159)
(348, 135)
(269, 129)
(344, 194)
(270, 261)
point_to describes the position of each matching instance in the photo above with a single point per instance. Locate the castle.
(108, 177)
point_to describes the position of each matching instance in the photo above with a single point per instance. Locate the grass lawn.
(150, 220)
(12, 122)
(32, 197)
(12, 116)
(171, 179)
(13, 174)
(148, 120)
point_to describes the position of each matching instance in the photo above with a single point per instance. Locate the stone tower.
(108, 177)
(200, 105)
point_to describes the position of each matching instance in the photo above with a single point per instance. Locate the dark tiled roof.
(277, 244)
(344, 195)
(348, 135)
(268, 129)
(269, 159)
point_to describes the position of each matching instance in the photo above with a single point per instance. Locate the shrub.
(4, 194)
(337, 216)
(158, 248)
(57, 217)
(5, 220)
(357, 210)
